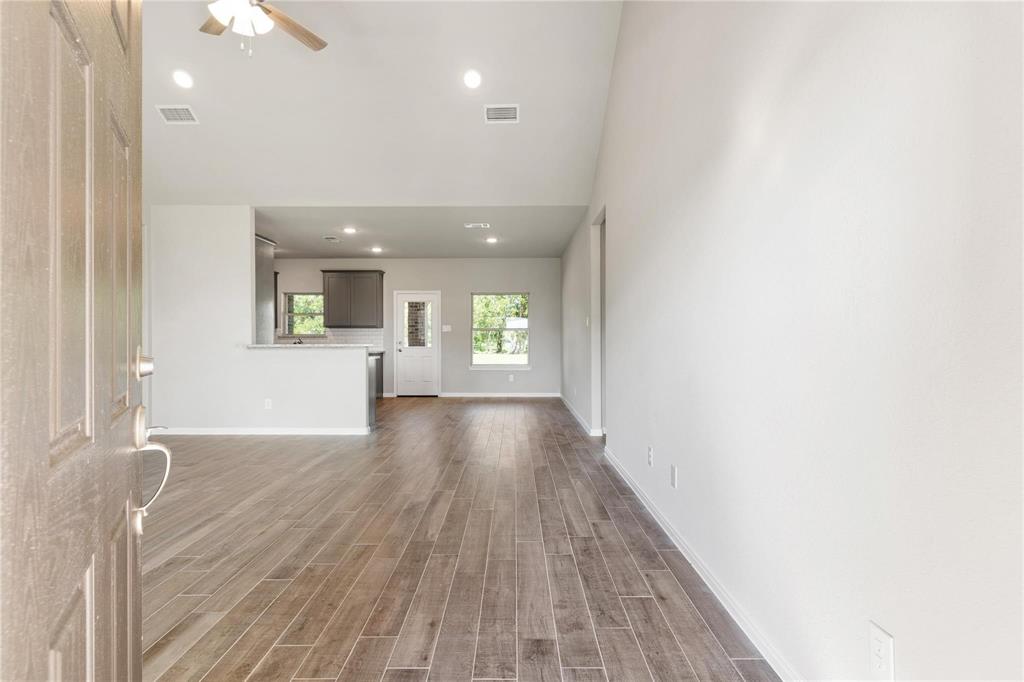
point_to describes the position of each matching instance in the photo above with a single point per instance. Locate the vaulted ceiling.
(381, 117)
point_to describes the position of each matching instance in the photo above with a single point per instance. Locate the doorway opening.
(602, 327)
(598, 328)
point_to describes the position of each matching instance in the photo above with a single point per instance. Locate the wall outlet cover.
(882, 653)
(446, 327)
(650, 456)
(674, 476)
(268, 404)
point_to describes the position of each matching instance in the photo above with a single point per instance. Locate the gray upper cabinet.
(354, 298)
(367, 299)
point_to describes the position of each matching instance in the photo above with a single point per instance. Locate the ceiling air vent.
(177, 114)
(501, 113)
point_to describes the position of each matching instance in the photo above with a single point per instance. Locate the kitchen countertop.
(369, 349)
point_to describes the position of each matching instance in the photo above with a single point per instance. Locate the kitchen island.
(272, 389)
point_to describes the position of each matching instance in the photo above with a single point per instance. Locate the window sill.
(302, 336)
(500, 368)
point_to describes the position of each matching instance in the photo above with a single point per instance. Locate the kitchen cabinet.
(354, 299)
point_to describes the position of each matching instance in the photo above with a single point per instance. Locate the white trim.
(580, 419)
(267, 431)
(390, 395)
(500, 395)
(436, 322)
(770, 653)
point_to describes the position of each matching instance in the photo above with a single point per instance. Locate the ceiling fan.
(255, 17)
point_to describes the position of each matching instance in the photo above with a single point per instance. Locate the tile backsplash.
(369, 337)
(372, 337)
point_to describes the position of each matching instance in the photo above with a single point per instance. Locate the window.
(418, 324)
(501, 330)
(304, 314)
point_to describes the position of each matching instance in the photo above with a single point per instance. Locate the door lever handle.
(143, 511)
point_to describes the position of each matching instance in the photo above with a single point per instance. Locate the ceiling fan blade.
(212, 26)
(294, 28)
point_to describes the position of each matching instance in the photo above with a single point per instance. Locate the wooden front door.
(70, 310)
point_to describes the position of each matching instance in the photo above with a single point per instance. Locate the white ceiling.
(419, 231)
(381, 116)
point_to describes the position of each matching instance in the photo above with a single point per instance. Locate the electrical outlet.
(674, 475)
(650, 456)
(267, 404)
(883, 653)
(573, 391)
(446, 328)
(511, 378)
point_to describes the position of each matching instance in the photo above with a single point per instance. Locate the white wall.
(576, 310)
(814, 217)
(201, 261)
(457, 278)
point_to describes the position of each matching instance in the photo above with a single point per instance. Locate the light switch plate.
(882, 653)
(446, 327)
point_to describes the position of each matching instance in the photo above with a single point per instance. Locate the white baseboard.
(501, 395)
(389, 395)
(596, 433)
(756, 636)
(264, 431)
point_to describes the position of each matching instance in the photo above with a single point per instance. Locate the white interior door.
(417, 353)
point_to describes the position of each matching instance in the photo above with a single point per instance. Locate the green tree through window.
(304, 314)
(501, 330)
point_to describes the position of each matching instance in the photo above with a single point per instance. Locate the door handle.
(143, 444)
(143, 511)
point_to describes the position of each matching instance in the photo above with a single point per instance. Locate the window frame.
(285, 315)
(472, 330)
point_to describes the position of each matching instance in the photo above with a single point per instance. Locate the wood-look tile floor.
(463, 540)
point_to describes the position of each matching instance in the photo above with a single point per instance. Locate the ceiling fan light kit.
(223, 11)
(250, 18)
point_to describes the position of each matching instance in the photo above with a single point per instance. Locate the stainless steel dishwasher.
(372, 363)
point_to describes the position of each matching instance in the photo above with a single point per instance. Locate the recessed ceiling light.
(349, 230)
(182, 78)
(492, 240)
(472, 79)
(376, 249)
(331, 238)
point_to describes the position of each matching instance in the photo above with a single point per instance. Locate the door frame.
(396, 323)
(598, 326)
